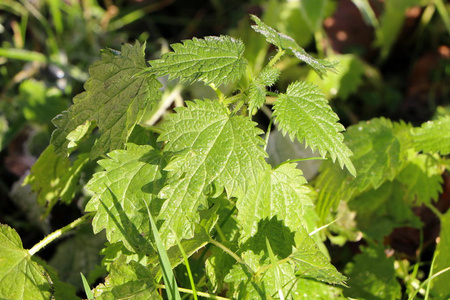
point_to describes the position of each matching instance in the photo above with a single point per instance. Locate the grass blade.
(87, 288)
(188, 268)
(168, 277)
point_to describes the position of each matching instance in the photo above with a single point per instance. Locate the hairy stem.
(58, 233)
(276, 58)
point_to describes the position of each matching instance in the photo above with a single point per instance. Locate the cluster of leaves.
(197, 184)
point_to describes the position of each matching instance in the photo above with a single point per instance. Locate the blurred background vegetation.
(394, 62)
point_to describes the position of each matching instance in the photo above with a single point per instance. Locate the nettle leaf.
(217, 60)
(311, 263)
(440, 284)
(304, 113)
(209, 145)
(372, 275)
(130, 175)
(281, 192)
(127, 280)
(257, 90)
(380, 150)
(422, 179)
(116, 98)
(433, 136)
(54, 178)
(21, 277)
(321, 66)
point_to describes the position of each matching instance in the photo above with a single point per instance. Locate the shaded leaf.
(310, 262)
(217, 60)
(372, 275)
(379, 211)
(380, 151)
(130, 176)
(115, 99)
(304, 113)
(281, 193)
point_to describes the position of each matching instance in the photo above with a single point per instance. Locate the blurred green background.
(394, 62)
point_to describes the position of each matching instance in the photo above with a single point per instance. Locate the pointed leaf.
(130, 176)
(20, 277)
(304, 113)
(310, 262)
(115, 99)
(281, 193)
(433, 136)
(217, 60)
(321, 66)
(257, 90)
(209, 145)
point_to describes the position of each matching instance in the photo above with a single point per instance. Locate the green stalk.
(231, 253)
(58, 233)
(188, 291)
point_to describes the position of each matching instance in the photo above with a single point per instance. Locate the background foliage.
(385, 229)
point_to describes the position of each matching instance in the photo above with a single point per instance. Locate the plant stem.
(232, 254)
(268, 133)
(187, 291)
(58, 233)
(277, 57)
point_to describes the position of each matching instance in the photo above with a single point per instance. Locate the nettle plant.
(190, 205)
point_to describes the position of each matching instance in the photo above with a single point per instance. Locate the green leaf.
(217, 60)
(422, 178)
(380, 150)
(321, 66)
(440, 284)
(209, 145)
(257, 90)
(433, 136)
(115, 99)
(281, 192)
(372, 275)
(310, 262)
(46, 175)
(130, 176)
(54, 178)
(304, 113)
(21, 277)
(127, 280)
